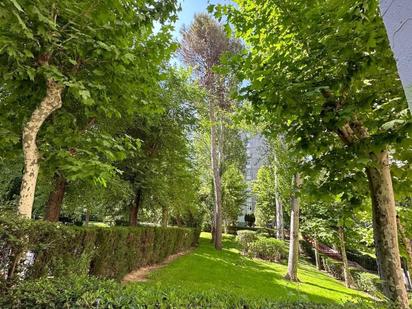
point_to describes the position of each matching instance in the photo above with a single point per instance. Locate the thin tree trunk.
(87, 217)
(165, 216)
(279, 208)
(51, 102)
(216, 179)
(55, 200)
(134, 209)
(292, 274)
(385, 230)
(317, 257)
(346, 273)
(279, 219)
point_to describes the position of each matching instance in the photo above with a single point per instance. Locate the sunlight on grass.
(229, 272)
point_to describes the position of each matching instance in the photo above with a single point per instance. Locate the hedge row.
(32, 249)
(89, 292)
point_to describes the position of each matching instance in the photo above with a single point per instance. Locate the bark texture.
(292, 274)
(55, 200)
(134, 209)
(342, 244)
(385, 230)
(279, 211)
(165, 216)
(50, 103)
(217, 217)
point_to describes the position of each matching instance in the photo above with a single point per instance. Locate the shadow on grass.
(229, 272)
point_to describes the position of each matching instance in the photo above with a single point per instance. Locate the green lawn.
(229, 272)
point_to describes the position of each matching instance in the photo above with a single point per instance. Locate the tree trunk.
(165, 216)
(54, 203)
(342, 245)
(134, 209)
(51, 102)
(87, 217)
(385, 230)
(317, 257)
(292, 274)
(279, 210)
(217, 218)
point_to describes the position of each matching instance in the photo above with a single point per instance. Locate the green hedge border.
(106, 252)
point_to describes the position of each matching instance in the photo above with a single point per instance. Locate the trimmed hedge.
(89, 292)
(32, 249)
(270, 249)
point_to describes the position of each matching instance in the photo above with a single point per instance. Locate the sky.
(189, 9)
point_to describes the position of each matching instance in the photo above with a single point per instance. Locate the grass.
(229, 272)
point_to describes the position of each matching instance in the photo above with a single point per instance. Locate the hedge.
(32, 249)
(90, 292)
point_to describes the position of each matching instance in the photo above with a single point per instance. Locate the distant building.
(256, 150)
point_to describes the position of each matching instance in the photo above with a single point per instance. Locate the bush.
(250, 219)
(89, 292)
(367, 282)
(245, 239)
(32, 249)
(269, 249)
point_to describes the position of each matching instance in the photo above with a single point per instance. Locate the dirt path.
(141, 274)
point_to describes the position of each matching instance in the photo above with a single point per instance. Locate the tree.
(316, 73)
(202, 47)
(293, 259)
(233, 195)
(57, 53)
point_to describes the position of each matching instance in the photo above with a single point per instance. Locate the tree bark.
(50, 103)
(279, 209)
(385, 229)
(317, 257)
(279, 219)
(55, 200)
(292, 274)
(346, 273)
(134, 209)
(217, 218)
(165, 216)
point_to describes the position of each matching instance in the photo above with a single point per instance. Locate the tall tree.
(60, 49)
(202, 47)
(325, 75)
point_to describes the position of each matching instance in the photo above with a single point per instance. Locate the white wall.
(397, 15)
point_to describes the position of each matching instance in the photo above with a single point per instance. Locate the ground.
(229, 272)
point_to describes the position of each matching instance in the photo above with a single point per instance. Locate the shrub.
(245, 239)
(32, 249)
(367, 282)
(269, 249)
(89, 292)
(250, 219)
(333, 267)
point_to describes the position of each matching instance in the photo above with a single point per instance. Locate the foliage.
(367, 282)
(233, 194)
(245, 238)
(263, 188)
(86, 292)
(250, 219)
(270, 249)
(37, 248)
